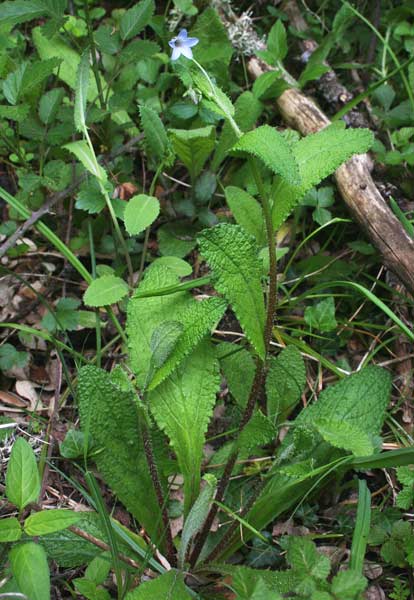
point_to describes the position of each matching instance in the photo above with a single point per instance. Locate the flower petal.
(176, 53)
(183, 34)
(190, 42)
(186, 51)
(172, 43)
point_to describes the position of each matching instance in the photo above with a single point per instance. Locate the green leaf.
(197, 516)
(140, 212)
(136, 18)
(345, 435)
(15, 113)
(232, 256)
(285, 382)
(10, 357)
(30, 570)
(182, 406)
(10, 530)
(49, 105)
(247, 109)
(49, 521)
(108, 414)
(81, 92)
(156, 138)
(89, 590)
(163, 341)
(362, 527)
(269, 85)
(84, 154)
(65, 316)
(199, 319)
(13, 83)
(193, 147)
(317, 156)
(277, 41)
(271, 147)
(90, 197)
(73, 445)
(215, 49)
(98, 569)
(19, 11)
(238, 369)
(304, 558)
(247, 212)
(145, 315)
(179, 266)
(405, 497)
(169, 586)
(105, 290)
(348, 585)
(321, 316)
(259, 431)
(22, 477)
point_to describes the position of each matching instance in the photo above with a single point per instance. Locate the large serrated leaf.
(108, 413)
(359, 400)
(318, 155)
(238, 367)
(345, 435)
(198, 320)
(19, 11)
(146, 314)
(182, 406)
(233, 257)
(272, 148)
(285, 381)
(136, 18)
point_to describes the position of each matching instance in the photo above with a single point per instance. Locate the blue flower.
(182, 45)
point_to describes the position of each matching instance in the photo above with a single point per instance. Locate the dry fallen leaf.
(12, 400)
(26, 389)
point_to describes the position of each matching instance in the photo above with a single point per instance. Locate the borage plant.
(145, 423)
(168, 387)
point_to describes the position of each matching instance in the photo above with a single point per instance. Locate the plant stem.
(95, 67)
(257, 385)
(149, 455)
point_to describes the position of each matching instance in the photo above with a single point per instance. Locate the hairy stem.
(152, 466)
(257, 385)
(95, 67)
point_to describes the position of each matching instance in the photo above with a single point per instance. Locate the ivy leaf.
(105, 290)
(272, 148)
(303, 556)
(22, 477)
(136, 18)
(233, 259)
(322, 315)
(193, 147)
(65, 316)
(49, 521)
(285, 382)
(182, 406)
(10, 357)
(140, 212)
(317, 156)
(30, 570)
(170, 585)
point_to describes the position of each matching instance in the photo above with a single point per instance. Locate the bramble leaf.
(233, 258)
